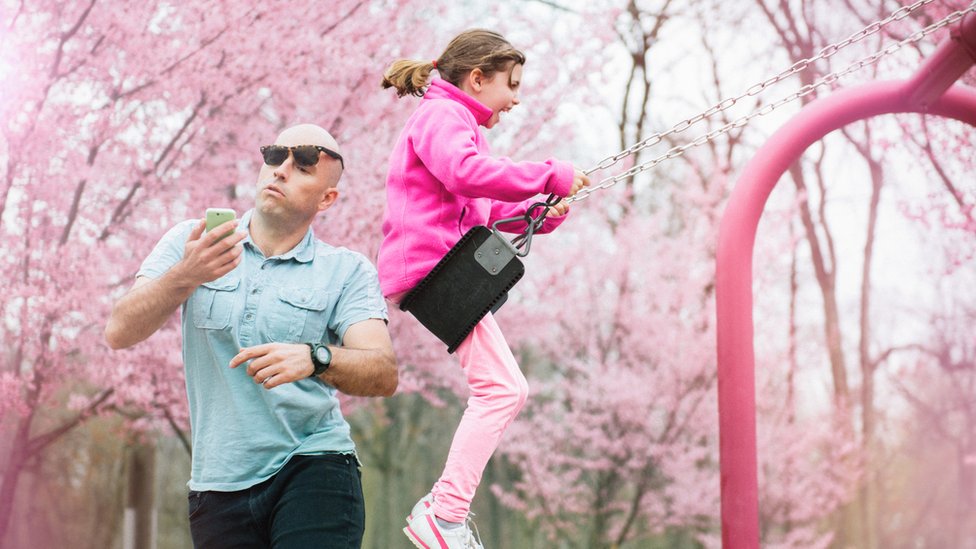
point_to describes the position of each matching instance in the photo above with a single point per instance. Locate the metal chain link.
(757, 88)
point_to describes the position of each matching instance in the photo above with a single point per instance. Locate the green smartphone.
(219, 216)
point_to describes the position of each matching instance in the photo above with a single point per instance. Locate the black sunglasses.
(306, 156)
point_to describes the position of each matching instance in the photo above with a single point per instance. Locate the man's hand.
(274, 364)
(146, 306)
(207, 256)
(364, 365)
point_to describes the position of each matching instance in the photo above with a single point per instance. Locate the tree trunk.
(16, 462)
(140, 508)
(850, 527)
(869, 500)
(8, 489)
(825, 275)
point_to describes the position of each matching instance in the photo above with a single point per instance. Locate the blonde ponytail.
(472, 49)
(408, 77)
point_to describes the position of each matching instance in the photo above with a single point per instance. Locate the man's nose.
(283, 170)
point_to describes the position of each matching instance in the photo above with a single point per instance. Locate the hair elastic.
(434, 63)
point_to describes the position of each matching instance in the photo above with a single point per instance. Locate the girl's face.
(499, 92)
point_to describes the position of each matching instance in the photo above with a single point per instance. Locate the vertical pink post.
(924, 93)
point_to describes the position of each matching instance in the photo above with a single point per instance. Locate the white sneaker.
(422, 507)
(425, 533)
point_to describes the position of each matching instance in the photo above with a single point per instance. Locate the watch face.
(323, 355)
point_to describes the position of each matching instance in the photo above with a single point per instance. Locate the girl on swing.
(443, 181)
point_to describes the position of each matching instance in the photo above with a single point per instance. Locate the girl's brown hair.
(470, 50)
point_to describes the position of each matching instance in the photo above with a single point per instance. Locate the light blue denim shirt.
(242, 433)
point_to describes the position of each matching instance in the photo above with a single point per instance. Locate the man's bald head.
(310, 134)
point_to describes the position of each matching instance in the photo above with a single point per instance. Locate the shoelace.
(474, 537)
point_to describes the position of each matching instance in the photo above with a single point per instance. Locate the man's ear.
(328, 199)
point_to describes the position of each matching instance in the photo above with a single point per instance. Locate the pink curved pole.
(925, 93)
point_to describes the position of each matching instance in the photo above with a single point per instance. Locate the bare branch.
(38, 443)
(176, 430)
(555, 6)
(341, 20)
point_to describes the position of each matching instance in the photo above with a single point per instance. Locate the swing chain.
(826, 52)
(755, 89)
(533, 218)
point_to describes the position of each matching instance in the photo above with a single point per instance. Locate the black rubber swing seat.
(471, 280)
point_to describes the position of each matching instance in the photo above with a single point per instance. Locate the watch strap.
(318, 367)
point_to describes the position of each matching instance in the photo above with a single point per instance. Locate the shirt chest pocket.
(213, 303)
(300, 315)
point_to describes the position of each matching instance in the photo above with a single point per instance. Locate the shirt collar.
(442, 89)
(303, 252)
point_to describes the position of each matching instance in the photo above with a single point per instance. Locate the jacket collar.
(442, 89)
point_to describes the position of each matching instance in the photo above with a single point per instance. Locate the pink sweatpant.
(498, 391)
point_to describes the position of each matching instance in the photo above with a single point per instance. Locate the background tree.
(119, 120)
(833, 219)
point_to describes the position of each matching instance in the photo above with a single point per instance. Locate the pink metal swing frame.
(929, 91)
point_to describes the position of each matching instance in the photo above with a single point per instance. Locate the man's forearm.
(144, 309)
(363, 372)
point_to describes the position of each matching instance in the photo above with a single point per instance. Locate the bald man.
(274, 323)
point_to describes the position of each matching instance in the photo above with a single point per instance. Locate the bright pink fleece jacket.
(443, 181)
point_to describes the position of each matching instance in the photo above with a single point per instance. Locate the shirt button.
(248, 316)
(255, 290)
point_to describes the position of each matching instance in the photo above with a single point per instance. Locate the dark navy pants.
(314, 501)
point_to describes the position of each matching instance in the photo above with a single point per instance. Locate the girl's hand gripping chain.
(580, 180)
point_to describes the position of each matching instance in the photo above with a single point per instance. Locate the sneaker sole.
(414, 539)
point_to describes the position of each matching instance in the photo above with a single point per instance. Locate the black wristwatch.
(321, 358)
